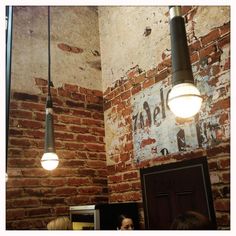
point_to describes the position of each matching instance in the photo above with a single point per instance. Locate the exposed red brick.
(115, 178)
(95, 147)
(54, 200)
(194, 57)
(59, 210)
(225, 163)
(98, 131)
(65, 191)
(32, 172)
(225, 28)
(132, 196)
(212, 36)
(38, 212)
(30, 124)
(14, 104)
(162, 75)
(71, 88)
(15, 132)
(151, 73)
(223, 219)
(25, 97)
(78, 129)
(63, 93)
(75, 104)
(21, 114)
(53, 182)
(96, 164)
(221, 104)
(90, 190)
(70, 120)
(148, 82)
(222, 205)
(164, 64)
(14, 214)
(96, 107)
(32, 106)
(22, 162)
(63, 136)
(125, 95)
(74, 146)
(195, 46)
(41, 82)
(86, 138)
(78, 181)
(107, 105)
(226, 177)
(148, 141)
(136, 89)
(98, 116)
(130, 175)
(124, 157)
(92, 122)
(23, 182)
(205, 52)
(28, 202)
(224, 41)
(34, 134)
(64, 172)
(20, 142)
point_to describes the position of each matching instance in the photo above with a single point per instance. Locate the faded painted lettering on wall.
(155, 131)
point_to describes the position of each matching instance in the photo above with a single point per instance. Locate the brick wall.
(210, 59)
(34, 195)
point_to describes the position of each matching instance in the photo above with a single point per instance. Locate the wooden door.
(171, 189)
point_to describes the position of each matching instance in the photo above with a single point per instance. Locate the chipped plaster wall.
(75, 50)
(127, 50)
(124, 43)
(140, 131)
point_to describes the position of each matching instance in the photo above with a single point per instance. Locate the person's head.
(60, 223)
(125, 222)
(191, 220)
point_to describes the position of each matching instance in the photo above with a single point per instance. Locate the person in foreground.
(191, 220)
(60, 223)
(125, 222)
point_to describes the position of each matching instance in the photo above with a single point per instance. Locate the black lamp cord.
(49, 99)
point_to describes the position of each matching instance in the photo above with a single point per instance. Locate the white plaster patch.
(123, 43)
(215, 15)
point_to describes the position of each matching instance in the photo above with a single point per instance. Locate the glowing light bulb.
(49, 161)
(184, 100)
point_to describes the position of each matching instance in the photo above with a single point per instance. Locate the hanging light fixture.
(184, 99)
(49, 159)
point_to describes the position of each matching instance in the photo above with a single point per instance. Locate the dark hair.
(121, 218)
(191, 220)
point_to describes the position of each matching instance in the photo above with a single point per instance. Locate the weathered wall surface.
(34, 195)
(75, 51)
(140, 131)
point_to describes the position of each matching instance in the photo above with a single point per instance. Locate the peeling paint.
(155, 128)
(115, 139)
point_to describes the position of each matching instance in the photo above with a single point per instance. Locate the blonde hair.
(60, 223)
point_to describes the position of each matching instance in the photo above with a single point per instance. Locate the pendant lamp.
(184, 99)
(49, 159)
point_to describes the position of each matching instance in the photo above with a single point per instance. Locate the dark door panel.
(171, 189)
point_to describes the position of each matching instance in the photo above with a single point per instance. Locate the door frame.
(196, 162)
